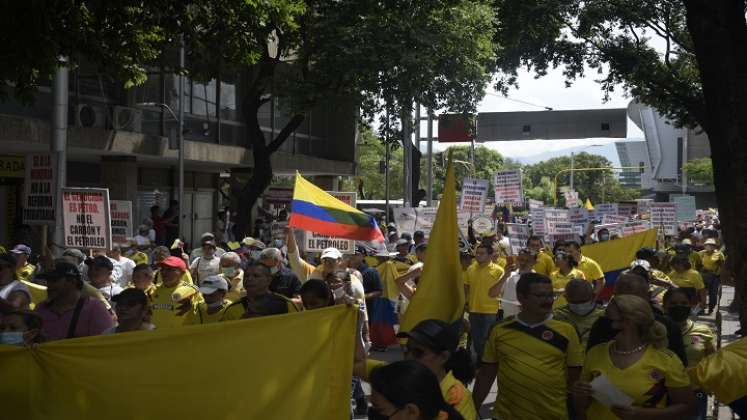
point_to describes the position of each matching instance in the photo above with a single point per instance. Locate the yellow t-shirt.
(646, 381)
(480, 279)
(545, 264)
(237, 309)
(697, 338)
(26, 272)
(186, 277)
(532, 368)
(559, 280)
(163, 307)
(723, 372)
(453, 391)
(200, 315)
(712, 262)
(689, 278)
(590, 268)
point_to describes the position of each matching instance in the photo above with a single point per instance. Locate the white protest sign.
(664, 217)
(644, 207)
(613, 218)
(38, 200)
(508, 188)
(410, 219)
(600, 210)
(636, 226)
(535, 204)
(518, 235)
(627, 209)
(474, 193)
(314, 242)
(578, 216)
(557, 222)
(685, 205)
(482, 225)
(278, 230)
(612, 228)
(538, 221)
(121, 216)
(85, 218)
(571, 199)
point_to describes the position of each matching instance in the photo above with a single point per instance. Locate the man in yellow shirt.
(711, 259)
(533, 356)
(24, 270)
(591, 269)
(213, 290)
(171, 299)
(482, 308)
(259, 300)
(545, 264)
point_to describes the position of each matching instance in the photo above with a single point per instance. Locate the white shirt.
(126, 266)
(110, 291)
(204, 267)
(509, 302)
(14, 286)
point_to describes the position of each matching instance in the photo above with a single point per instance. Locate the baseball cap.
(403, 242)
(213, 283)
(75, 253)
(207, 235)
(100, 261)
(333, 253)
(174, 262)
(687, 241)
(641, 263)
(131, 296)
(21, 249)
(710, 241)
(62, 269)
(210, 243)
(251, 242)
(435, 334)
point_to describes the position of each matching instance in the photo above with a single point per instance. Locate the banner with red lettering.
(38, 200)
(86, 218)
(121, 214)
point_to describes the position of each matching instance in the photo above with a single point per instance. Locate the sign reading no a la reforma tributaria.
(38, 200)
(508, 188)
(86, 218)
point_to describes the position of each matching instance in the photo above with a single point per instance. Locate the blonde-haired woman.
(637, 363)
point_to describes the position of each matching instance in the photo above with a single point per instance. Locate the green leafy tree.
(543, 190)
(487, 162)
(687, 58)
(699, 171)
(370, 181)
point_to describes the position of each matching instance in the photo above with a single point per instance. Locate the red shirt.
(94, 319)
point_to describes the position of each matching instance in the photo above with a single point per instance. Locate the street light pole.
(572, 171)
(180, 192)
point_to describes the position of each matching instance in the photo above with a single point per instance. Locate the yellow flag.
(588, 205)
(295, 366)
(440, 292)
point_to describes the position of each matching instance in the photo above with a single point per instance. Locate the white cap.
(641, 263)
(212, 284)
(710, 241)
(333, 253)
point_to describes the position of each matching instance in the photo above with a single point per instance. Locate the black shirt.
(371, 279)
(602, 332)
(285, 283)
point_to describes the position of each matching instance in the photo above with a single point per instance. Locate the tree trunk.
(720, 38)
(262, 153)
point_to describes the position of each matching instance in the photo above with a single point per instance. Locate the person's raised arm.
(300, 268)
(483, 382)
(496, 289)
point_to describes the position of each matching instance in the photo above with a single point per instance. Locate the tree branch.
(289, 128)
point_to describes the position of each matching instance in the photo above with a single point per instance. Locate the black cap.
(645, 253)
(130, 297)
(419, 234)
(62, 269)
(435, 334)
(100, 261)
(7, 260)
(402, 242)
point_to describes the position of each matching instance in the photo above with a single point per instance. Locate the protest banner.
(315, 242)
(410, 220)
(518, 234)
(635, 226)
(600, 210)
(121, 216)
(535, 204)
(644, 207)
(279, 196)
(39, 198)
(664, 217)
(615, 229)
(86, 218)
(74, 379)
(578, 216)
(685, 206)
(474, 193)
(627, 209)
(508, 188)
(538, 221)
(613, 218)
(571, 199)
(278, 230)
(482, 225)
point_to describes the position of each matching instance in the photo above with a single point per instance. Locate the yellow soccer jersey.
(200, 315)
(646, 381)
(164, 309)
(545, 264)
(697, 338)
(712, 262)
(532, 368)
(559, 280)
(26, 272)
(458, 396)
(591, 269)
(271, 303)
(689, 278)
(480, 279)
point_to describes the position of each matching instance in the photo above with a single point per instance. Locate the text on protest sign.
(664, 217)
(613, 218)
(518, 234)
(474, 192)
(508, 188)
(121, 216)
(39, 202)
(314, 242)
(538, 221)
(571, 199)
(535, 204)
(636, 226)
(685, 206)
(85, 216)
(600, 210)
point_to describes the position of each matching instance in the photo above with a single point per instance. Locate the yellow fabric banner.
(295, 366)
(440, 292)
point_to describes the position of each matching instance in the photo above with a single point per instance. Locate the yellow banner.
(12, 166)
(295, 366)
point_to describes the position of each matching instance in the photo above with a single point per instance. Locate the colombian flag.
(316, 211)
(616, 255)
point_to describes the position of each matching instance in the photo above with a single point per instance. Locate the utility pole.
(572, 172)
(60, 95)
(406, 117)
(386, 173)
(429, 190)
(180, 192)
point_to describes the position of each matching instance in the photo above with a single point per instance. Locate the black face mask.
(678, 313)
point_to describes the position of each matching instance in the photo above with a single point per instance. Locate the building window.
(605, 126)
(526, 129)
(203, 99)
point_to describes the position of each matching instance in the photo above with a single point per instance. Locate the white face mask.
(274, 270)
(11, 338)
(339, 292)
(582, 308)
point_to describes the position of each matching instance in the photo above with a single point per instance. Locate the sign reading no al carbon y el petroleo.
(86, 218)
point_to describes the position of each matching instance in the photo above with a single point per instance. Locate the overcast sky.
(550, 91)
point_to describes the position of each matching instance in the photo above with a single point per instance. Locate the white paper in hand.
(608, 394)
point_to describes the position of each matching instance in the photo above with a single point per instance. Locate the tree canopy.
(699, 171)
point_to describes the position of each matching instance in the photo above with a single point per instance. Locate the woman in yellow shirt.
(683, 276)
(698, 338)
(712, 259)
(638, 364)
(565, 272)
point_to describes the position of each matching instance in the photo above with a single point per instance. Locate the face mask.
(678, 313)
(255, 254)
(604, 238)
(14, 338)
(339, 292)
(582, 308)
(229, 272)
(274, 270)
